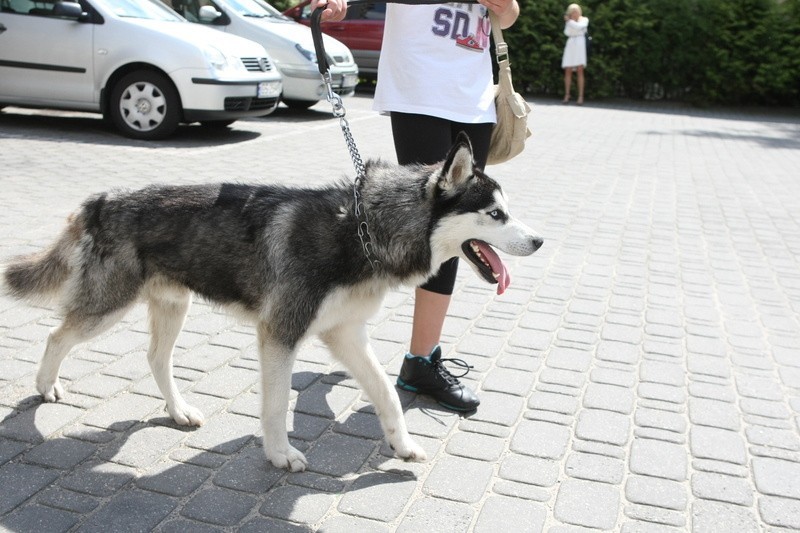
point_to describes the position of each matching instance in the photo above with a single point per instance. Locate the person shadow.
(59, 473)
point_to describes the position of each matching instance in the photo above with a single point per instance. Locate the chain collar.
(359, 210)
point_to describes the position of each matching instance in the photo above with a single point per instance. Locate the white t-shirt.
(435, 60)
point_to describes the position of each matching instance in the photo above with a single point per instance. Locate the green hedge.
(703, 51)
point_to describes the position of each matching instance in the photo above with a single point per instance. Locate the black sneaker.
(429, 376)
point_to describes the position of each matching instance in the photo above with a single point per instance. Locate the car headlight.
(222, 62)
(308, 54)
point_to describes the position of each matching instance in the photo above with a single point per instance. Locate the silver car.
(135, 61)
(288, 43)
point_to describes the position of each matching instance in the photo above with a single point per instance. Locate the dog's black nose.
(537, 243)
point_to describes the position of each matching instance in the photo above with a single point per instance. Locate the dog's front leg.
(276, 381)
(350, 345)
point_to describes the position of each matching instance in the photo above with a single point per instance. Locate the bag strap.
(501, 54)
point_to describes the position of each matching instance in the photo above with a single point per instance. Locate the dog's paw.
(410, 451)
(186, 415)
(291, 459)
(51, 391)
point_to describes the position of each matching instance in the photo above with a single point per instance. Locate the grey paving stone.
(708, 517)
(172, 478)
(67, 500)
(780, 512)
(708, 365)
(760, 388)
(786, 439)
(777, 478)
(765, 408)
(609, 398)
(10, 449)
(98, 478)
(123, 411)
(366, 425)
(569, 359)
(586, 503)
(249, 471)
(337, 455)
(613, 376)
(719, 487)
(719, 444)
(655, 491)
(380, 497)
(130, 511)
(297, 504)
(646, 527)
(593, 467)
(99, 386)
(20, 482)
(501, 513)
(558, 403)
(658, 419)
(497, 408)
(182, 526)
(434, 514)
(34, 425)
(142, 448)
(348, 524)
(458, 479)
(660, 459)
(60, 453)
(219, 506)
(656, 515)
(532, 470)
(225, 433)
(509, 381)
(566, 378)
(325, 400)
(712, 391)
(540, 439)
(660, 372)
(714, 413)
(39, 518)
(664, 393)
(603, 426)
(476, 446)
(227, 382)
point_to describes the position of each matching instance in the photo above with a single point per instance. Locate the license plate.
(349, 80)
(268, 89)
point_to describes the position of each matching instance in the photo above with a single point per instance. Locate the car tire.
(145, 105)
(216, 124)
(298, 104)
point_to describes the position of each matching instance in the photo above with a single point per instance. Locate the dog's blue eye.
(495, 214)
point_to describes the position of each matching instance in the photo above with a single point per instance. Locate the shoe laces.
(445, 374)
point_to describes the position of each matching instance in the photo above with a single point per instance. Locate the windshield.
(254, 8)
(141, 9)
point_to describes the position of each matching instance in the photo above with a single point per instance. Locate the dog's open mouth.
(488, 262)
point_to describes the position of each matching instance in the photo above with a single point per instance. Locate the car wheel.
(216, 124)
(145, 105)
(299, 104)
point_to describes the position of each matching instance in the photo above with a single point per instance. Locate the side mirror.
(68, 10)
(208, 14)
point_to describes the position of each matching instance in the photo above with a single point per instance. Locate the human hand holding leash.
(335, 10)
(507, 11)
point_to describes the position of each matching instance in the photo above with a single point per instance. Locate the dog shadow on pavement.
(139, 474)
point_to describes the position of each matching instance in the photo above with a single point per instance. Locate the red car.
(361, 30)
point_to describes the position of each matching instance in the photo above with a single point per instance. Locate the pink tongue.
(504, 279)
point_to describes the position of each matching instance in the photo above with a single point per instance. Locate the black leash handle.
(316, 20)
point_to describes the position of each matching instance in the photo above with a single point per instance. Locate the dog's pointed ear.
(459, 165)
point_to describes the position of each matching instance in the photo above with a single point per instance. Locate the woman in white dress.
(574, 58)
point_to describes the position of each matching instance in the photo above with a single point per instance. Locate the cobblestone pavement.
(642, 373)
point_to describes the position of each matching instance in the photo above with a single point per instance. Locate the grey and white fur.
(287, 259)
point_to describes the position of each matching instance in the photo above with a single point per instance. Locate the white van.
(288, 43)
(135, 61)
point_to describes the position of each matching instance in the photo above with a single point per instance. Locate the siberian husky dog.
(288, 259)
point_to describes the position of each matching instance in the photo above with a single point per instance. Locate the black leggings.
(425, 139)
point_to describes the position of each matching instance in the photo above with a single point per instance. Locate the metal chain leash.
(358, 205)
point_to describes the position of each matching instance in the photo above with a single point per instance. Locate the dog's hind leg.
(75, 328)
(276, 381)
(168, 307)
(349, 344)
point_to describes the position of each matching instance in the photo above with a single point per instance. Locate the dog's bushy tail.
(40, 277)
